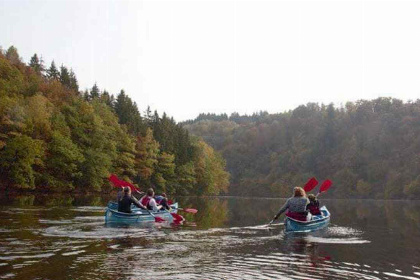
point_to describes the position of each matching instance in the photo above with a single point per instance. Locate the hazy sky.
(187, 57)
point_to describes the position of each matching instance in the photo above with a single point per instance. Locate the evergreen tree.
(94, 92)
(86, 95)
(107, 99)
(128, 114)
(37, 64)
(147, 150)
(164, 175)
(148, 115)
(74, 85)
(65, 76)
(52, 72)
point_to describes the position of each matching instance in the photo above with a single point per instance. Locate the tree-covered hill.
(369, 149)
(54, 137)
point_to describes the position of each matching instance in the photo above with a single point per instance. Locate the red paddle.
(177, 218)
(157, 219)
(188, 210)
(325, 186)
(310, 185)
(120, 183)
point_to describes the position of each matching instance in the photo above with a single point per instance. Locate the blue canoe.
(317, 222)
(138, 215)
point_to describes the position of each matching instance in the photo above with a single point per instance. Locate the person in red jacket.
(313, 205)
(149, 201)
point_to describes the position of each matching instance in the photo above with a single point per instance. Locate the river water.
(59, 237)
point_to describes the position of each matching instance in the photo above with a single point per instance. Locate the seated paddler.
(149, 201)
(163, 200)
(126, 200)
(296, 206)
(313, 206)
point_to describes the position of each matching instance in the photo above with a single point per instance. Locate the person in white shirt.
(149, 201)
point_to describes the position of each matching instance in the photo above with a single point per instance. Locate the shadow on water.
(61, 237)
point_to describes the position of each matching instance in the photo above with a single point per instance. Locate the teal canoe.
(317, 222)
(138, 215)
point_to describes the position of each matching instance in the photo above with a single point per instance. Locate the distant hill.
(369, 148)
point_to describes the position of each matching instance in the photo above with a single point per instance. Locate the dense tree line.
(368, 148)
(54, 137)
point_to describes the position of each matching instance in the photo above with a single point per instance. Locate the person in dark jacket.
(124, 203)
(163, 200)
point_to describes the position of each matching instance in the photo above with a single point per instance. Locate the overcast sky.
(188, 57)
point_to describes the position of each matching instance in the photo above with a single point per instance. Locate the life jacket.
(145, 201)
(314, 209)
(300, 216)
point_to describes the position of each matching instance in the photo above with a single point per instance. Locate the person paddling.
(313, 206)
(163, 200)
(149, 201)
(296, 206)
(125, 201)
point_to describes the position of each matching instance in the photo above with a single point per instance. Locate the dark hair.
(312, 197)
(127, 190)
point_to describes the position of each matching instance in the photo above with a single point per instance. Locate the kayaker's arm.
(154, 205)
(282, 209)
(137, 203)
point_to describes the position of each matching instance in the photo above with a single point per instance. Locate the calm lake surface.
(62, 237)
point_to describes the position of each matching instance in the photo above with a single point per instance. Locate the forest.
(55, 137)
(368, 148)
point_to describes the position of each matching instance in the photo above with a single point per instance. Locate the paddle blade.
(120, 183)
(310, 185)
(189, 210)
(177, 218)
(114, 180)
(159, 220)
(325, 186)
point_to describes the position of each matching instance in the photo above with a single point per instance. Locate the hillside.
(369, 149)
(56, 138)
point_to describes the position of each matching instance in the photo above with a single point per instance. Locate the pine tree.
(74, 85)
(65, 76)
(94, 92)
(37, 64)
(86, 96)
(52, 72)
(148, 115)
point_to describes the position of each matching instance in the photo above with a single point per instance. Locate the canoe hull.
(316, 223)
(137, 215)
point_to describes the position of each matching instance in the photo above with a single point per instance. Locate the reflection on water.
(43, 237)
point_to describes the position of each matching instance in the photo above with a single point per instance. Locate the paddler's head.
(299, 192)
(127, 191)
(312, 197)
(150, 192)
